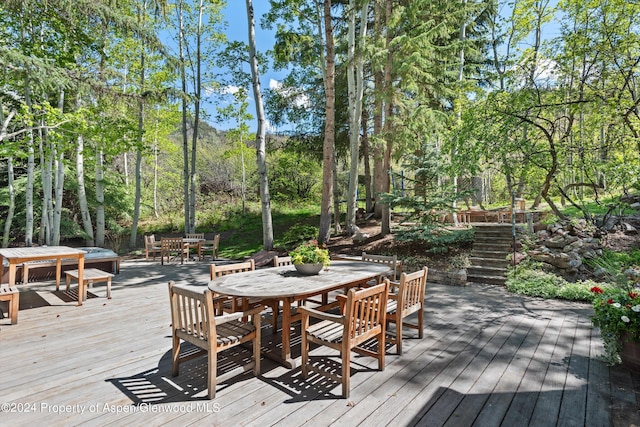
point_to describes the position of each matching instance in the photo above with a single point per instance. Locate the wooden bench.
(91, 276)
(11, 294)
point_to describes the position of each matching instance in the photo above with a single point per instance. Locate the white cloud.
(298, 98)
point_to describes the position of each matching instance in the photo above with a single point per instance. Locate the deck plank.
(487, 358)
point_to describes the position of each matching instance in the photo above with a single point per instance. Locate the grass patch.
(532, 281)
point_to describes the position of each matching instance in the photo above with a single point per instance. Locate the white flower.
(625, 319)
(636, 308)
(616, 305)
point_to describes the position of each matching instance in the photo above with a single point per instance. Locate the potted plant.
(309, 258)
(616, 311)
(457, 273)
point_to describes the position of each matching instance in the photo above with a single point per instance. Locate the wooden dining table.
(16, 256)
(287, 285)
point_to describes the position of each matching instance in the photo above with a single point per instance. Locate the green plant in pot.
(310, 253)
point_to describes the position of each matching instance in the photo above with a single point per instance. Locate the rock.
(610, 224)
(577, 244)
(635, 205)
(556, 242)
(629, 229)
(360, 237)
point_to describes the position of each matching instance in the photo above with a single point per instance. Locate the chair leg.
(421, 323)
(381, 351)
(14, 305)
(257, 344)
(275, 310)
(304, 350)
(175, 357)
(212, 359)
(399, 335)
(346, 372)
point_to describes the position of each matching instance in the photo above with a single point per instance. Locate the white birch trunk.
(100, 219)
(267, 225)
(82, 192)
(59, 190)
(10, 187)
(12, 203)
(28, 232)
(355, 69)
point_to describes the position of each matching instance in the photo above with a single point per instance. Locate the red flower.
(634, 294)
(596, 290)
(609, 301)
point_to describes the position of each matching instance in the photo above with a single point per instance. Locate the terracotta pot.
(630, 353)
(308, 269)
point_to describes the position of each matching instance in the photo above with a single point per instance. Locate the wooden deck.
(488, 358)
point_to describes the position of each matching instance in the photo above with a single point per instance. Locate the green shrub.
(297, 234)
(530, 280)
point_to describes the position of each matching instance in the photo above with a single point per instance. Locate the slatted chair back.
(193, 321)
(211, 246)
(408, 299)
(223, 270)
(194, 236)
(230, 304)
(362, 319)
(173, 247)
(281, 261)
(364, 314)
(151, 247)
(391, 261)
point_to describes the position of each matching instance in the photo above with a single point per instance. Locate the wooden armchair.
(193, 321)
(173, 247)
(407, 299)
(281, 261)
(151, 247)
(211, 245)
(198, 245)
(232, 305)
(362, 318)
(391, 261)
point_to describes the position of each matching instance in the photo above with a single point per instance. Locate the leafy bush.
(298, 233)
(437, 240)
(530, 280)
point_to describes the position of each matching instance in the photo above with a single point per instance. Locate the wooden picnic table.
(16, 256)
(287, 285)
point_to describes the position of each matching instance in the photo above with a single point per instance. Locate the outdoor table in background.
(16, 256)
(287, 285)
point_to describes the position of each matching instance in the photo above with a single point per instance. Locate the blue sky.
(236, 17)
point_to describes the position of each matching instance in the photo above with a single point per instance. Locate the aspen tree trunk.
(12, 203)
(28, 233)
(58, 192)
(136, 208)
(82, 192)
(4, 122)
(328, 145)
(386, 211)
(355, 77)
(185, 106)
(267, 224)
(378, 144)
(100, 219)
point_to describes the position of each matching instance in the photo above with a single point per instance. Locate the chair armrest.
(317, 314)
(393, 285)
(228, 317)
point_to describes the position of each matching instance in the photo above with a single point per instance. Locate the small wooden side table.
(91, 276)
(11, 294)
